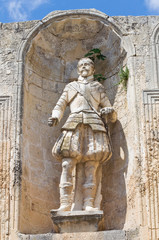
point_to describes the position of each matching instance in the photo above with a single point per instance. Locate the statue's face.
(85, 68)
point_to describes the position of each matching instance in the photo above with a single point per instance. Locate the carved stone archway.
(47, 61)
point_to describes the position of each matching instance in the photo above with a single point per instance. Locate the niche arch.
(47, 61)
(155, 56)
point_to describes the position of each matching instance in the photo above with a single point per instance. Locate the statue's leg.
(89, 186)
(66, 184)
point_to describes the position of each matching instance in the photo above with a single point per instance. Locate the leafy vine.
(96, 54)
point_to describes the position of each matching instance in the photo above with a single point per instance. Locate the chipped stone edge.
(62, 13)
(116, 234)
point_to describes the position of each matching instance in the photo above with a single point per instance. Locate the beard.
(84, 73)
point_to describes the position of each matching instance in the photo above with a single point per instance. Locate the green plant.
(96, 54)
(124, 76)
(99, 77)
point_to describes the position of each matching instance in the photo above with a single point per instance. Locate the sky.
(26, 10)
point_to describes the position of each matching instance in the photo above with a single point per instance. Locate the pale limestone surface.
(107, 235)
(38, 57)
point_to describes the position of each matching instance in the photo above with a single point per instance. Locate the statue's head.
(85, 67)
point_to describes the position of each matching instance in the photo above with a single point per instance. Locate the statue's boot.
(89, 196)
(89, 188)
(65, 197)
(66, 184)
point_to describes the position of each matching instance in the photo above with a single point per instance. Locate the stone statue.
(84, 138)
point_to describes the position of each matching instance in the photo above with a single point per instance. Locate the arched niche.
(49, 58)
(155, 57)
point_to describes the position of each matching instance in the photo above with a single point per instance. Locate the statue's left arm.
(106, 108)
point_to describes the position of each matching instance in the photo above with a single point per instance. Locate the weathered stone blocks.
(37, 59)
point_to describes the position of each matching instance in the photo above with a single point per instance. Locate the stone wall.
(37, 59)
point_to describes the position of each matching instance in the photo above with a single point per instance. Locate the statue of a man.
(84, 138)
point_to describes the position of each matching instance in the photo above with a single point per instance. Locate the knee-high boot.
(89, 196)
(65, 197)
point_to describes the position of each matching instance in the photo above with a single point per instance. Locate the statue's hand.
(52, 121)
(106, 110)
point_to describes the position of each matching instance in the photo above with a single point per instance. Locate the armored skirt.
(83, 144)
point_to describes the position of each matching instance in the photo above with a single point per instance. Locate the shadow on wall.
(113, 182)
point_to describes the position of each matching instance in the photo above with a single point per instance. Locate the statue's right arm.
(58, 111)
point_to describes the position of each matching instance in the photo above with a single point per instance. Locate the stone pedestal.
(77, 221)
